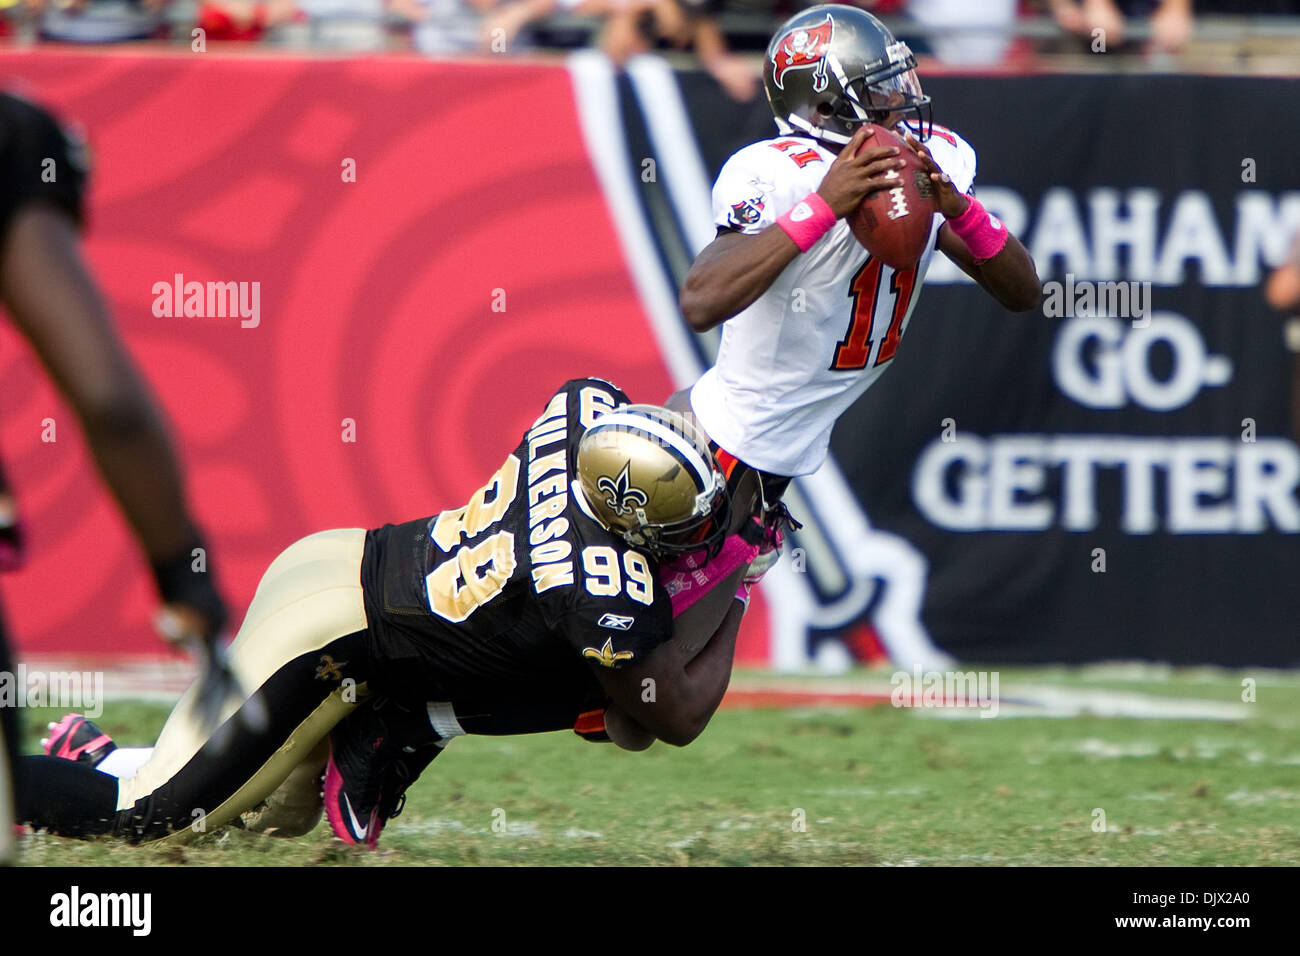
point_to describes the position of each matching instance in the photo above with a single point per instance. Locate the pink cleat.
(76, 738)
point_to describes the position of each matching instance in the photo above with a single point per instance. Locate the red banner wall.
(377, 298)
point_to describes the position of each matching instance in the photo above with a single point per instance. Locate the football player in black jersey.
(54, 303)
(541, 598)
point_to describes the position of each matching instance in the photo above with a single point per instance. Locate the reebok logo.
(616, 621)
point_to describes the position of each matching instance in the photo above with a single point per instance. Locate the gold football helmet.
(647, 474)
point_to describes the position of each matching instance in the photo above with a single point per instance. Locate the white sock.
(125, 761)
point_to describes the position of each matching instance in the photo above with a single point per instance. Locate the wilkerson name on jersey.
(790, 364)
(516, 595)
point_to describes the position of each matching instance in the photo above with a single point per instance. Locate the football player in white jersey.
(811, 320)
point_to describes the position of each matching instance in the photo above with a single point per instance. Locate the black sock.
(66, 797)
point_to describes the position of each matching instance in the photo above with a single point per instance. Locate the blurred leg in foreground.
(53, 301)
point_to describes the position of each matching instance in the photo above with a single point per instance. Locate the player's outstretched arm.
(57, 307)
(671, 696)
(1282, 290)
(732, 271)
(1010, 275)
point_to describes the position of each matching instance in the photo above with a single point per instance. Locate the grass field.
(874, 785)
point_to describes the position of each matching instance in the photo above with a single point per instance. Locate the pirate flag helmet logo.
(803, 47)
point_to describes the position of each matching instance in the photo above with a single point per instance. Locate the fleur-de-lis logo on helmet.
(619, 493)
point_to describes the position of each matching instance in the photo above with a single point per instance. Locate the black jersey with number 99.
(517, 594)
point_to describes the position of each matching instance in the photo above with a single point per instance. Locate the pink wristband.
(984, 236)
(809, 220)
(692, 578)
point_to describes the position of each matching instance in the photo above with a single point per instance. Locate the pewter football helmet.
(832, 68)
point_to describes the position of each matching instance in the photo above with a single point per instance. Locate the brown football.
(894, 224)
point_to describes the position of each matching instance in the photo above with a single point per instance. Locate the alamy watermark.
(76, 908)
(208, 300)
(1119, 300)
(978, 689)
(81, 691)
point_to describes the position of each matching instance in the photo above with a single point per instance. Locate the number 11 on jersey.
(855, 348)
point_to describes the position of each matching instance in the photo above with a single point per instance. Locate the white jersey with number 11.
(790, 364)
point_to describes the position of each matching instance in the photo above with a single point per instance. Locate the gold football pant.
(302, 660)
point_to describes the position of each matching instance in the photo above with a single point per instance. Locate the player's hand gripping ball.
(893, 223)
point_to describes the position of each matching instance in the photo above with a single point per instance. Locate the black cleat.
(375, 754)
